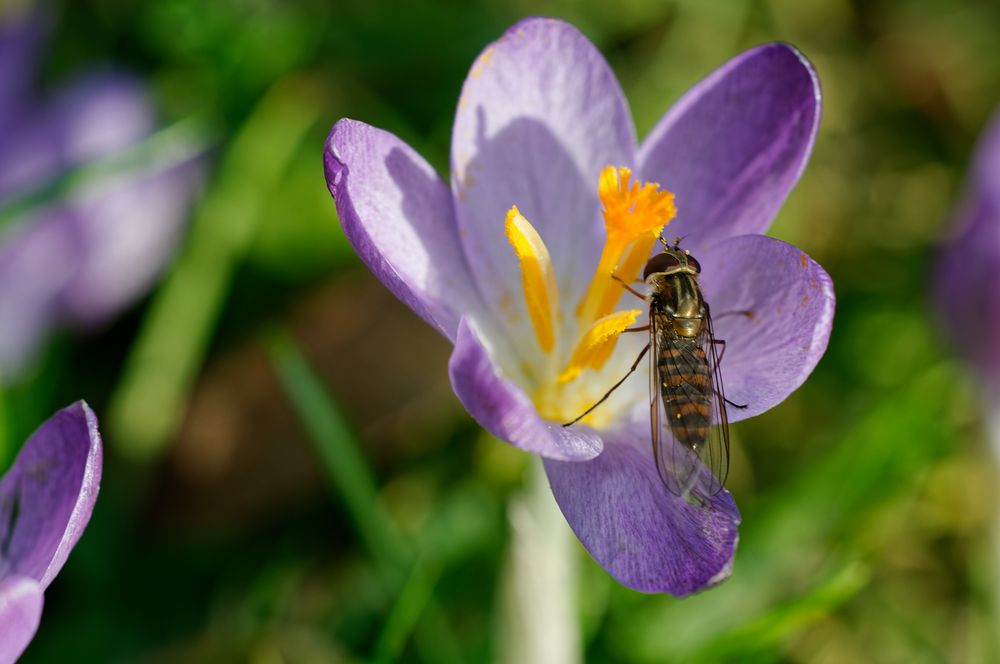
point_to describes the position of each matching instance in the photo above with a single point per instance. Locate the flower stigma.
(634, 216)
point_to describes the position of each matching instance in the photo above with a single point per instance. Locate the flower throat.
(634, 216)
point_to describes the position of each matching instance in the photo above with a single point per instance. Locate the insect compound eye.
(660, 263)
(693, 264)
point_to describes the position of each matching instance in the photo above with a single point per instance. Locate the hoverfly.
(688, 421)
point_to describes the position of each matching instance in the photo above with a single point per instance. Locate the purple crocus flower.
(544, 152)
(968, 283)
(80, 259)
(46, 499)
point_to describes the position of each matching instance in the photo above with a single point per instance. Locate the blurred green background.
(279, 487)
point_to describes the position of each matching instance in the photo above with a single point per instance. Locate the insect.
(688, 421)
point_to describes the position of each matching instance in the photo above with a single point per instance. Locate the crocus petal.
(95, 116)
(37, 261)
(48, 495)
(20, 613)
(771, 352)
(985, 176)
(81, 261)
(31, 153)
(503, 409)
(643, 535)
(540, 115)
(398, 215)
(126, 230)
(99, 114)
(735, 144)
(967, 287)
(20, 37)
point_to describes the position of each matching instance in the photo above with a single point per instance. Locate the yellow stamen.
(595, 346)
(537, 275)
(634, 215)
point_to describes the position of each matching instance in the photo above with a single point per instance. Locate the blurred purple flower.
(81, 259)
(968, 283)
(540, 117)
(46, 500)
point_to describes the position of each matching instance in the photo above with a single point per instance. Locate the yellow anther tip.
(636, 210)
(537, 276)
(513, 227)
(597, 343)
(634, 216)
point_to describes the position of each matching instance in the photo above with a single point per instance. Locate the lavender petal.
(127, 230)
(98, 114)
(20, 38)
(20, 613)
(967, 287)
(771, 352)
(644, 536)
(504, 410)
(37, 262)
(541, 113)
(985, 177)
(47, 497)
(735, 144)
(398, 215)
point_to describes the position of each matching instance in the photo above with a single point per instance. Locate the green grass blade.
(150, 399)
(338, 451)
(354, 483)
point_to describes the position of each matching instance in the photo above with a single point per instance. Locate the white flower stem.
(993, 425)
(538, 620)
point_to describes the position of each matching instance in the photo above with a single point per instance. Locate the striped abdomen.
(686, 390)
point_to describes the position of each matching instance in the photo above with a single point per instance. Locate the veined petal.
(769, 354)
(985, 176)
(52, 488)
(398, 215)
(94, 116)
(85, 258)
(37, 264)
(735, 144)
(967, 284)
(503, 408)
(20, 613)
(540, 115)
(20, 37)
(31, 152)
(643, 535)
(98, 114)
(127, 230)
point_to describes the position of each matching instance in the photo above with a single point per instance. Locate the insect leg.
(631, 371)
(641, 328)
(736, 405)
(627, 287)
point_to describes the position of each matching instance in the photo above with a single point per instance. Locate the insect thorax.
(678, 297)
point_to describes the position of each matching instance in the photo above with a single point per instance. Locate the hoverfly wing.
(716, 454)
(677, 465)
(690, 433)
